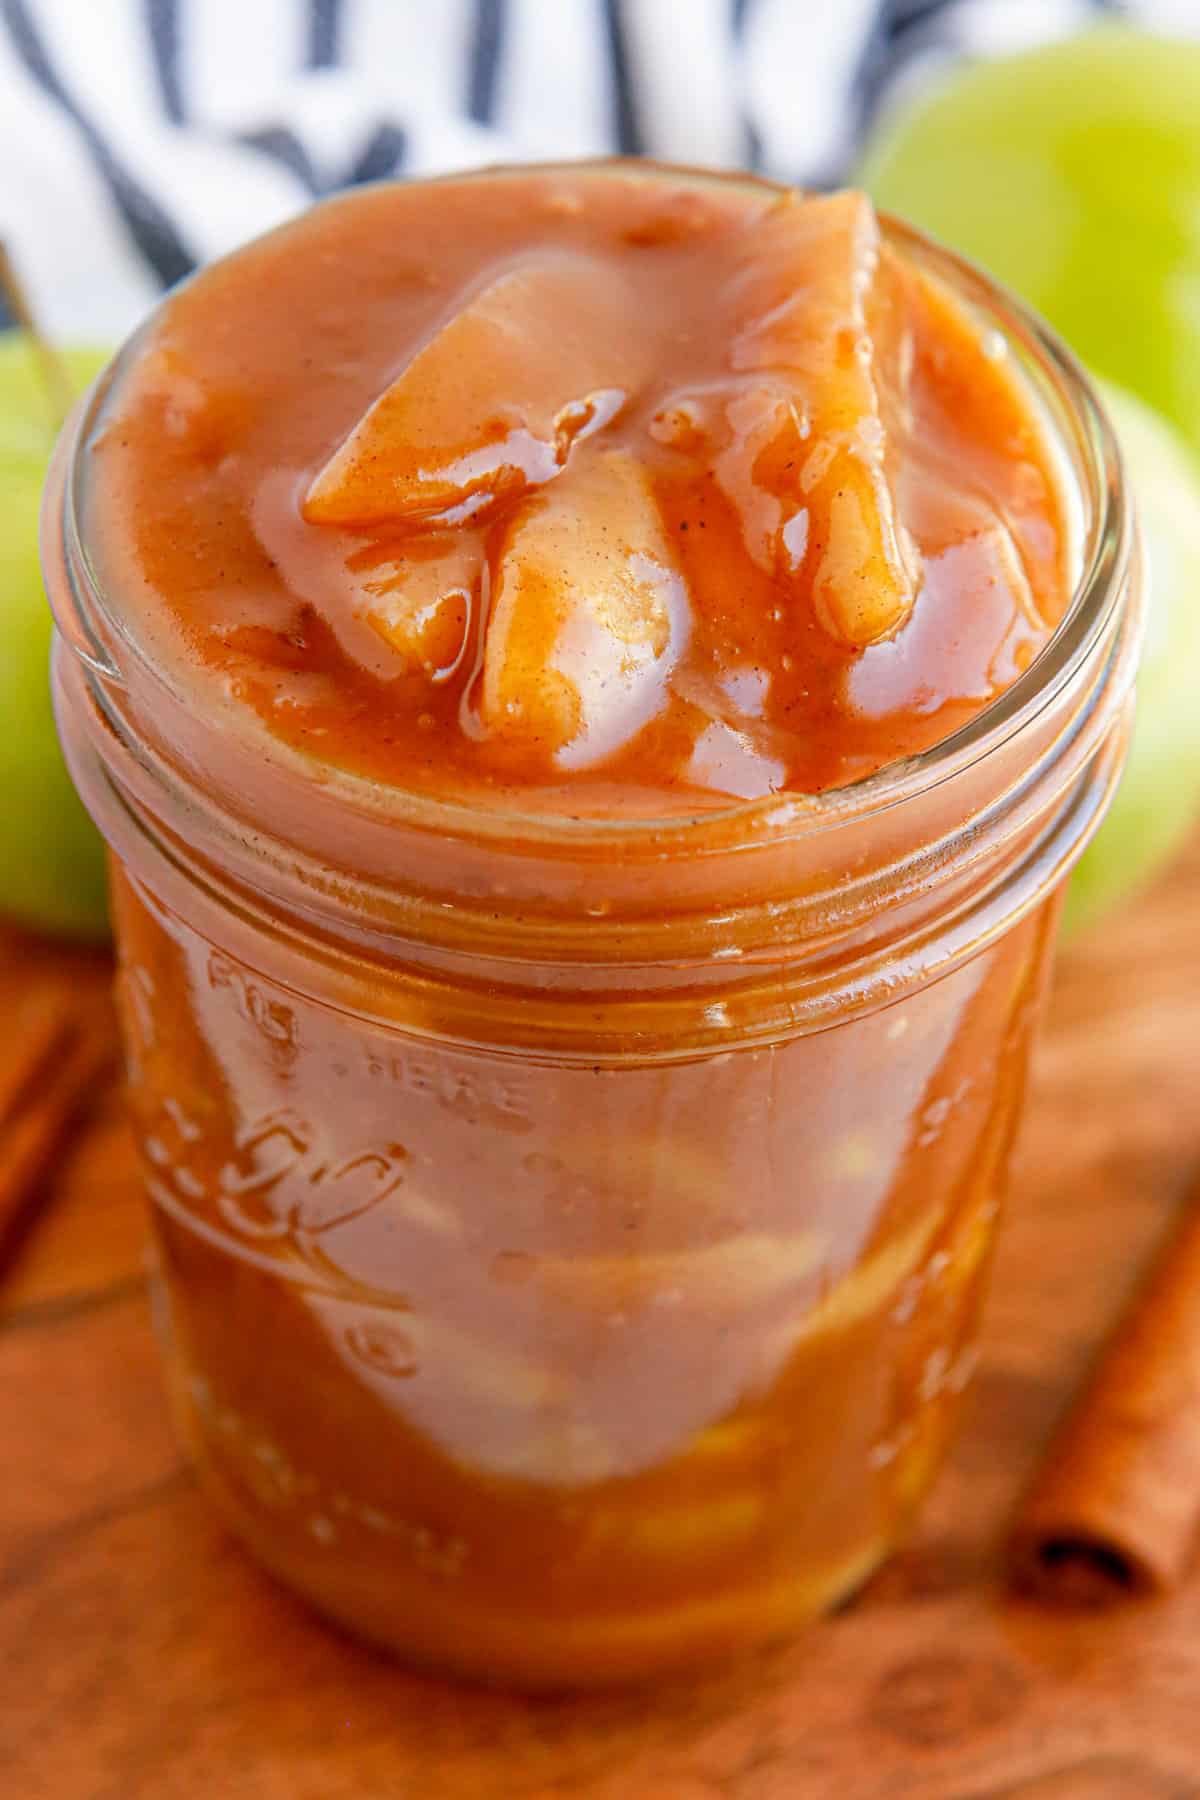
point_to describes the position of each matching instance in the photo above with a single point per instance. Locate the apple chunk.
(418, 595)
(492, 402)
(812, 312)
(589, 616)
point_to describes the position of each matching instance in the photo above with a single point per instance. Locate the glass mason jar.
(570, 1234)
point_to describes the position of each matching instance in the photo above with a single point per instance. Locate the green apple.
(51, 857)
(1159, 795)
(1072, 173)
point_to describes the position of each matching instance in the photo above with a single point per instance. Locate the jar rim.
(1102, 561)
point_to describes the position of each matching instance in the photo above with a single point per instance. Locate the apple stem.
(59, 388)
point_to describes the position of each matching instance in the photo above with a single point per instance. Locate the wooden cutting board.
(142, 1657)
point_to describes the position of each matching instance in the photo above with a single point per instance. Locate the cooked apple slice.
(418, 594)
(983, 577)
(589, 616)
(692, 1530)
(736, 1276)
(493, 401)
(872, 1286)
(812, 318)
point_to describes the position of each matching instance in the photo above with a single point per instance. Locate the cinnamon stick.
(1115, 1510)
(56, 1053)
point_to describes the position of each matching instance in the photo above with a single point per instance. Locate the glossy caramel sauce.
(601, 490)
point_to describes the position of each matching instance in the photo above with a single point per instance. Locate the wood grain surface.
(142, 1657)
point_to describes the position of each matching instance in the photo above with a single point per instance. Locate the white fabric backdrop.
(139, 137)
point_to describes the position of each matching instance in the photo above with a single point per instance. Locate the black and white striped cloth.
(140, 137)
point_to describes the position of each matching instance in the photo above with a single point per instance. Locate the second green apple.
(1072, 173)
(51, 857)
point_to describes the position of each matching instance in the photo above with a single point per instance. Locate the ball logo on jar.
(279, 1184)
